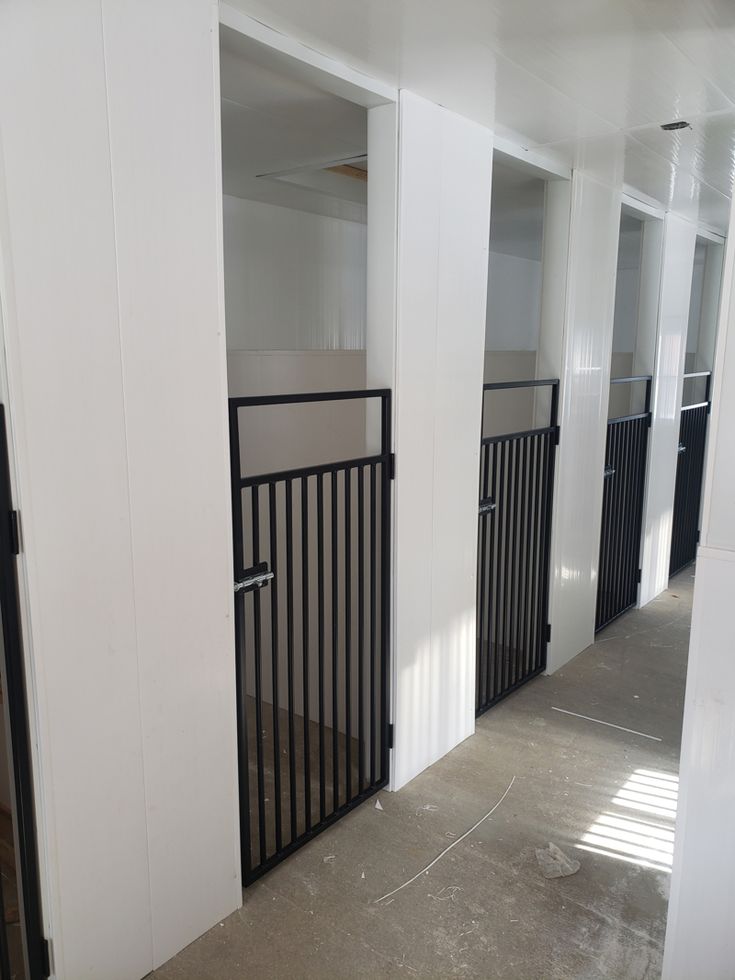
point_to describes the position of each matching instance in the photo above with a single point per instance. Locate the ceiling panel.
(592, 79)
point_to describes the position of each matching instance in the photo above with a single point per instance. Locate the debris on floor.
(554, 863)
(378, 805)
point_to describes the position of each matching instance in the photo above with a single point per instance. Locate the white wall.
(513, 303)
(114, 332)
(584, 349)
(438, 339)
(293, 280)
(700, 940)
(676, 278)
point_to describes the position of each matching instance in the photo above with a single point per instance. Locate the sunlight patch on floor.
(639, 826)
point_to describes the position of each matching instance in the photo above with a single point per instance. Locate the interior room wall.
(294, 281)
(625, 322)
(513, 315)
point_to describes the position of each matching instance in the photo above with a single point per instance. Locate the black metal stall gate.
(513, 551)
(312, 602)
(618, 572)
(689, 474)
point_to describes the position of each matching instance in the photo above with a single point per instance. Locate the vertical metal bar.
(482, 545)
(348, 634)
(538, 624)
(273, 521)
(320, 629)
(373, 626)
(242, 728)
(385, 580)
(489, 600)
(360, 628)
(305, 646)
(538, 652)
(290, 659)
(335, 649)
(501, 511)
(257, 653)
(522, 571)
(507, 573)
(534, 501)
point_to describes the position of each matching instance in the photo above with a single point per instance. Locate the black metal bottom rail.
(312, 552)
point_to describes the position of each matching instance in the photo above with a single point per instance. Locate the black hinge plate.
(392, 466)
(14, 532)
(46, 958)
(390, 736)
(548, 632)
(638, 575)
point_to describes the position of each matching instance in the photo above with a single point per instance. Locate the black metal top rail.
(553, 425)
(688, 376)
(304, 397)
(632, 379)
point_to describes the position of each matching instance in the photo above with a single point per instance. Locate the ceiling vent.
(679, 124)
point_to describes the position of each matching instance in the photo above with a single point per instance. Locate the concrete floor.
(485, 909)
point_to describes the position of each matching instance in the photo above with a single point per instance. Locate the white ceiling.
(590, 81)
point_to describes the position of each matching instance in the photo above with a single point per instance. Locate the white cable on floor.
(447, 849)
(609, 724)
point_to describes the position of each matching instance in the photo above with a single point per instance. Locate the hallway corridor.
(604, 795)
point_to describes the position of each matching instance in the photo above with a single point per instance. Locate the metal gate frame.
(618, 569)
(377, 473)
(689, 478)
(514, 564)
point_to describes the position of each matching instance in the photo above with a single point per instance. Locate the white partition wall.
(110, 239)
(583, 352)
(679, 238)
(437, 345)
(700, 940)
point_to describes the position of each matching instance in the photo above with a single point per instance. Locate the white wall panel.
(111, 262)
(513, 303)
(700, 940)
(67, 407)
(443, 227)
(293, 280)
(168, 234)
(673, 317)
(587, 342)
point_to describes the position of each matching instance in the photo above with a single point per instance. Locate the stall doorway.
(312, 601)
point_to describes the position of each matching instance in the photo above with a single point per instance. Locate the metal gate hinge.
(392, 466)
(46, 957)
(254, 578)
(390, 736)
(487, 506)
(14, 532)
(548, 632)
(638, 575)
(609, 472)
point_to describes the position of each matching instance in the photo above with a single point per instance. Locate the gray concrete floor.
(485, 909)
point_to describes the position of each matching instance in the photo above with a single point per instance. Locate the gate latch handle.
(681, 449)
(609, 471)
(254, 578)
(487, 505)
